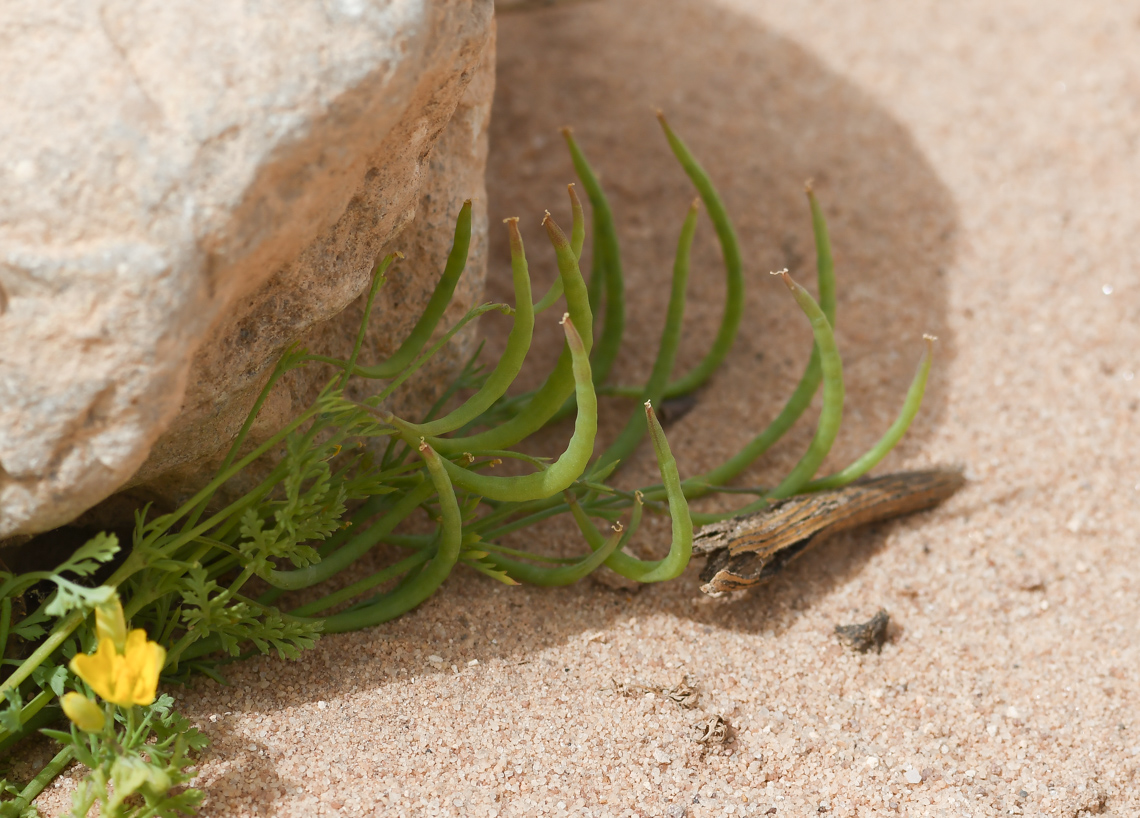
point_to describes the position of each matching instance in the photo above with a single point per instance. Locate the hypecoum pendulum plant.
(183, 580)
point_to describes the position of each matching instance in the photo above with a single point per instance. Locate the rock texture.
(196, 185)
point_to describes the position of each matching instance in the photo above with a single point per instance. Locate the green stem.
(356, 547)
(36, 705)
(44, 777)
(607, 257)
(366, 584)
(416, 587)
(418, 363)
(189, 531)
(378, 279)
(53, 641)
(655, 387)
(564, 574)
(5, 624)
(440, 298)
(286, 362)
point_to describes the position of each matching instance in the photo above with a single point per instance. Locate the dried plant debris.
(714, 730)
(750, 550)
(631, 688)
(685, 693)
(866, 635)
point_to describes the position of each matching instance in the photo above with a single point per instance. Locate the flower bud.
(87, 715)
(111, 624)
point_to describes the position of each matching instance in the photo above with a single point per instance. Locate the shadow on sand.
(763, 115)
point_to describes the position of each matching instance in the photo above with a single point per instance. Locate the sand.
(978, 163)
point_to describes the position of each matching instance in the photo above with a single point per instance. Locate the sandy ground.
(978, 162)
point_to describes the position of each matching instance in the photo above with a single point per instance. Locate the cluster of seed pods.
(335, 495)
(475, 510)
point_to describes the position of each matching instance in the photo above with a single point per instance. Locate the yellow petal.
(110, 623)
(144, 661)
(85, 713)
(126, 678)
(99, 669)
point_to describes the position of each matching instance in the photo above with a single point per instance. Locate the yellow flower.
(85, 713)
(126, 678)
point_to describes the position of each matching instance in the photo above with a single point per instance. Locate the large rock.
(189, 187)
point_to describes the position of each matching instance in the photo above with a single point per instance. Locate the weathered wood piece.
(750, 550)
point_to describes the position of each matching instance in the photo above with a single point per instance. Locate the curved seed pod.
(893, 435)
(577, 222)
(563, 471)
(681, 546)
(809, 382)
(607, 265)
(829, 417)
(511, 361)
(540, 509)
(824, 262)
(619, 562)
(577, 239)
(560, 384)
(437, 304)
(564, 574)
(733, 268)
(832, 413)
(416, 587)
(634, 430)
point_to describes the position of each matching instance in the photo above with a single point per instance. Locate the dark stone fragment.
(866, 635)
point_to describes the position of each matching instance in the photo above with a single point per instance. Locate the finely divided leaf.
(70, 597)
(88, 557)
